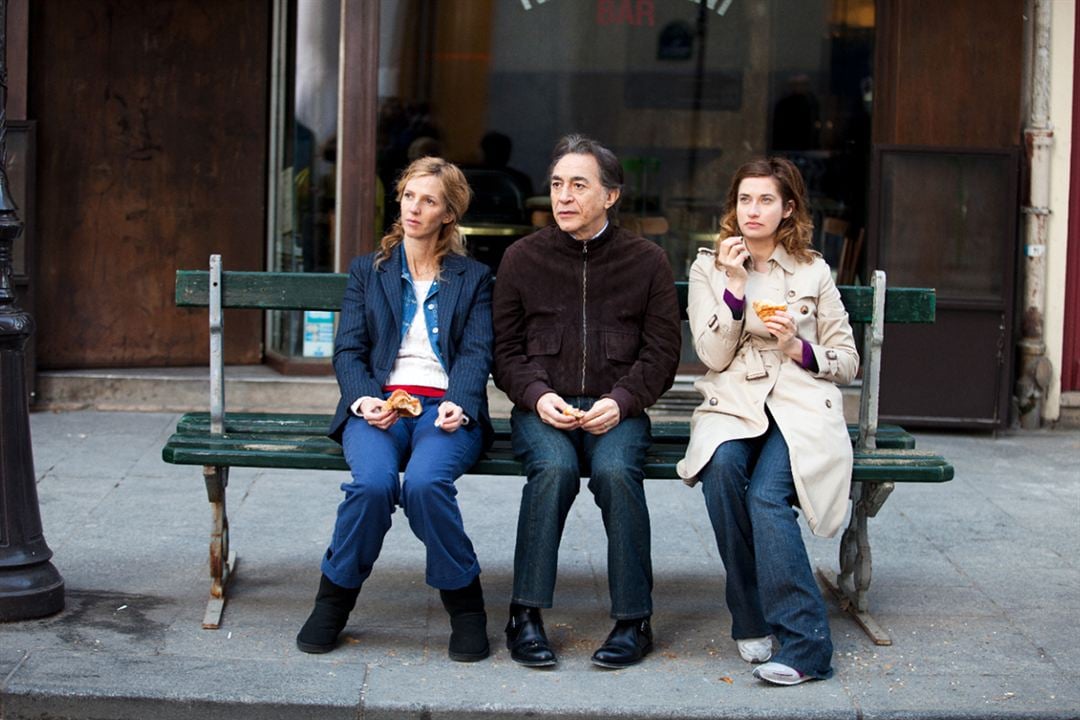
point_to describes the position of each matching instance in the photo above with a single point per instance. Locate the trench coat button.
(791, 293)
(804, 309)
(713, 322)
(713, 401)
(830, 354)
(828, 403)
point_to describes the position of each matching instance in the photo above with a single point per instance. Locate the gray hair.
(611, 172)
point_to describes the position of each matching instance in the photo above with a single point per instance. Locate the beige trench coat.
(748, 372)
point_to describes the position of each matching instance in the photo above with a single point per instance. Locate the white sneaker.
(755, 650)
(779, 674)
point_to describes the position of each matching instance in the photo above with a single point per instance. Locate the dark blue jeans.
(555, 461)
(750, 496)
(432, 460)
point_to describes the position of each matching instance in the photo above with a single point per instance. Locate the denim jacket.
(431, 308)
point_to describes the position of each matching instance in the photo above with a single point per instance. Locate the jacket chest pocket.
(543, 342)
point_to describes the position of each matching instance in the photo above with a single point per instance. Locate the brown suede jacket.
(598, 318)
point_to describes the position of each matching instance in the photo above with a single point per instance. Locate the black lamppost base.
(30, 592)
(30, 587)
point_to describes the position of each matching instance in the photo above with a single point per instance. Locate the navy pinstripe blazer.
(369, 333)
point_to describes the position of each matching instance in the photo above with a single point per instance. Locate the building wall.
(1062, 39)
(151, 122)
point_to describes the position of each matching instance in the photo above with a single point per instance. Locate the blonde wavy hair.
(456, 194)
(796, 231)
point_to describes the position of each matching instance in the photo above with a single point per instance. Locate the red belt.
(420, 390)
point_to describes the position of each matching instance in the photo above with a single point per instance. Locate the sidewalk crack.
(361, 705)
(7, 678)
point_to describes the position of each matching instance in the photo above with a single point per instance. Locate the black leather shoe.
(629, 642)
(525, 638)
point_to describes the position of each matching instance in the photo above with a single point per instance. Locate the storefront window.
(683, 91)
(303, 155)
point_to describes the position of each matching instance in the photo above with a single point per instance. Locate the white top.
(416, 362)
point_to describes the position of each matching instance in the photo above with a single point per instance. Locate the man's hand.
(451, 416)
(377, 414)
(550, 410)
(602, 417)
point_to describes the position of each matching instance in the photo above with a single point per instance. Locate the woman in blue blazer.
(416, 316)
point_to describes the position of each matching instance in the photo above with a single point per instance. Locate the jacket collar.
(784, 259)
(570, 242)
(392, 266)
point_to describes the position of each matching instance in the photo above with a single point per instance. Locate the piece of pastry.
(766, 309)
(404, 403)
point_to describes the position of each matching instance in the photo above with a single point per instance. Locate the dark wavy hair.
(796, 231)
(611, 172)
(456, 195)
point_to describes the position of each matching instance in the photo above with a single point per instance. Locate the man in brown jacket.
(587, 336)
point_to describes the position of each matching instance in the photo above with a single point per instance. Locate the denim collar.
(430, 307)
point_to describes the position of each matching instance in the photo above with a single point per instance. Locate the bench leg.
(222, 559)
(852, 585)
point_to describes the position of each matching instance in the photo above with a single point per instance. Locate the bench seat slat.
(673, 432)
(322, 453)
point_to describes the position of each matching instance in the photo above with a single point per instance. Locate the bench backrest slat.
(263, 290)
(324, 291)
(902, 305)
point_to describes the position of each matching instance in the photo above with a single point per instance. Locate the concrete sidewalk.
(977, 580)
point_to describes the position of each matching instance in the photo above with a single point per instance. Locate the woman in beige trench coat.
(770, 434)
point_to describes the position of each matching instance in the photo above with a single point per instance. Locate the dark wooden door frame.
(1070, 353)
(356, 136)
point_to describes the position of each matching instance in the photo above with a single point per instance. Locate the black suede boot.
(468, 622)
(333, 604)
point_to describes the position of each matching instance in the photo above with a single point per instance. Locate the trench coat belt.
(753, 348)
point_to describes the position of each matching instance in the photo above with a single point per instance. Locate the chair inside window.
(496, 198)
(832, 242)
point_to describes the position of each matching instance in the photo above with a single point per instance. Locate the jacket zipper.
(584, 315)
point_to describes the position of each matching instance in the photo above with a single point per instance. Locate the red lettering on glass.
(625, 12)
(605, 12)
(645, 12)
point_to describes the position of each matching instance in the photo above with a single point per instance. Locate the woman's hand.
(731, 255)
(782, 326)
(450, 417)
(377, 414)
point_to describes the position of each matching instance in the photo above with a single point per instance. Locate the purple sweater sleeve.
(809, 361)
(737, 305)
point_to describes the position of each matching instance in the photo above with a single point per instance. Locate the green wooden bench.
(884, 455)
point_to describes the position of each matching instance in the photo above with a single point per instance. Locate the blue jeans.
(750, 494)
(555, 461)
(431, 460)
